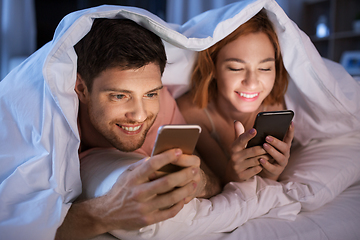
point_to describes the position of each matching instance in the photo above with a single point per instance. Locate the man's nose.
(137, 111)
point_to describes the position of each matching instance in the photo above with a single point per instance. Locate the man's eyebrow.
(115, 90)
(128, 91)
(156, 89)
(242, 61)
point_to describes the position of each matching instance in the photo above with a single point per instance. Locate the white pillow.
(320, 171)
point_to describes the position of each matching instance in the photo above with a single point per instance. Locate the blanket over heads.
(39, 174)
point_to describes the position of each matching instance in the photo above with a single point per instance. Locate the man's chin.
(129, 146)
(134, 142)
(128, 149)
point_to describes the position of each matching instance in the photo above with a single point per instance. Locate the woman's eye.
(235, 69)
(265, 69)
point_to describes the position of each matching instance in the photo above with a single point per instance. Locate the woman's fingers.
(241, 142)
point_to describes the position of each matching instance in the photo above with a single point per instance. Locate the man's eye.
(151, 95)
(119, 96)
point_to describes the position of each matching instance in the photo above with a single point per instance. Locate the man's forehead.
(147, 78)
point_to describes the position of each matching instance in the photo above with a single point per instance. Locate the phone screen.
(275, 123)
(184, 137)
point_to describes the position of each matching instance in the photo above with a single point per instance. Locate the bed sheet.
(338, 219)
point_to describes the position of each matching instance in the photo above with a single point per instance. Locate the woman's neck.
(230, 114)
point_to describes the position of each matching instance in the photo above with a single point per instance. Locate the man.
(119, 85)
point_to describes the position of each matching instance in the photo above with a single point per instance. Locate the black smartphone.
(168, 137)
(275, 123)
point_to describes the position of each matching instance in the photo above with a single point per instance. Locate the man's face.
(123, 104)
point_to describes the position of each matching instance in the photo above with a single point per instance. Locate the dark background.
(50, 12)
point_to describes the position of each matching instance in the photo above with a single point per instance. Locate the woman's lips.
(248, 97)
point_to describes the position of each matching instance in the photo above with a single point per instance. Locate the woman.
(232, 82)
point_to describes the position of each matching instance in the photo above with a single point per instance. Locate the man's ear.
(81, 89)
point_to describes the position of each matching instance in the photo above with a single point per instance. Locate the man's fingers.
(146, 171)
(165, 183)
(188, 160)
(168, 199)
(163, 214)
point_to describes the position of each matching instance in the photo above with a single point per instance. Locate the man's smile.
(131, 129)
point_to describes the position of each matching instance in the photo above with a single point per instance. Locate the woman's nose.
(251, 80)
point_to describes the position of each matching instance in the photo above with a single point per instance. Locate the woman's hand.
(280, 154)
(244, 163)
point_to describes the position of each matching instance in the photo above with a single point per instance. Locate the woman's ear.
(213, 72)
(81, 89)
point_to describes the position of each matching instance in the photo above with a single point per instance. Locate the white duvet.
(39, 173)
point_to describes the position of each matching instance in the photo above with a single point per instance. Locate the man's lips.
(130, 129)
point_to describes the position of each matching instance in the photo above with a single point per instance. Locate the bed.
(254, 209)
(338, 219)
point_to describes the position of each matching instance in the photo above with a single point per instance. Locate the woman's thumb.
(239, 128)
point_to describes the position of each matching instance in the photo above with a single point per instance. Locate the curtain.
(17, 33)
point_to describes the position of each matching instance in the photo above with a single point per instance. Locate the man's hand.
(136, 200)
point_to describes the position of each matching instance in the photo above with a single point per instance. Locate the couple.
(121, 95)
(119, 100)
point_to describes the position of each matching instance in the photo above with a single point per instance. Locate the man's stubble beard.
(130, 148)
(113, 139)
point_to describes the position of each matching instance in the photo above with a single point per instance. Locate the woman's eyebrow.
(234, 60)
(268, 60)
(242, 61)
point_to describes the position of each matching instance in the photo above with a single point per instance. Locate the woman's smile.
(249, 97)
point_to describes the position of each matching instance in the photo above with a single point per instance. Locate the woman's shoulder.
(191, 112)
(186, 104)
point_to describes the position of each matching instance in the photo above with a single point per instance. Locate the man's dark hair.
(117, 43)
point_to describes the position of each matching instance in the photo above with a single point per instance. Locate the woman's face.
(245, 72)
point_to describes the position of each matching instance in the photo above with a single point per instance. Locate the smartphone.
(275, 123)
(168, 137)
